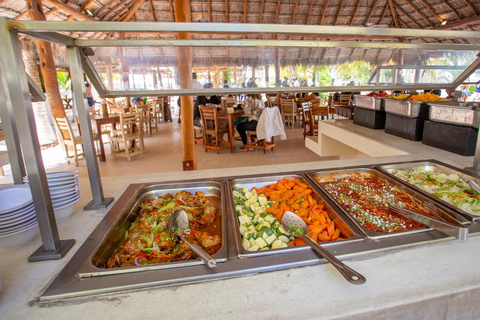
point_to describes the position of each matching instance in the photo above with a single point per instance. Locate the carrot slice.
(331, 228)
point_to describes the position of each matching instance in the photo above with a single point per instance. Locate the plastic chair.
(211, 131)
(130, 130)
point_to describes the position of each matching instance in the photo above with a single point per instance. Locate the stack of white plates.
(18, 222)
(65, 192)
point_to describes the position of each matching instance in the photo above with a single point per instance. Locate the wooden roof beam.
(394, 13)
(338, 13)
(171, 10)
(384, 13)
(371, 11)
(83, 7)
(105, 7)
(210, 11)
(323, 12)
(432, 10)
(419, 13)
(355, 13)
(277, 12)
(452, 8)
(294, 11)
(309, 12)
(67, 9)
(262, 7)
(245, 12)
(226, 10)
(118, 6)
(406, 15)
(474, 9)
(459, 23)
(152, 10)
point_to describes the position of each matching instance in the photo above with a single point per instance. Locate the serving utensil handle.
(349, 274)
(209, 261)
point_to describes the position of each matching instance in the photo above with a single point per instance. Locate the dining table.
(102, 120)
(231, 116)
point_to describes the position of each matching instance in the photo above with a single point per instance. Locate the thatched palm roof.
(410, 14)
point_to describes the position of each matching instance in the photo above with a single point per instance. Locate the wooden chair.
(70, 141)
(319, 111)
(344, 99)
(310, 127)
(128, 132)
(211, 132)
(160, 110)
(199, 130)
(254, 143)
(232, 100)
(289, 111)
(153, 116)
(331, 107)
(146, 118)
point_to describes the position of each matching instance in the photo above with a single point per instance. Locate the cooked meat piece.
(206, 239)
(208, 215)
(164, 239)
(121, 260)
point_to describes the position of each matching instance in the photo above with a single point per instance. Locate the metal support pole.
(17, 84)
(80, 97)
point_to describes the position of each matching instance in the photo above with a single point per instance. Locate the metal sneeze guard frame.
(18, 110)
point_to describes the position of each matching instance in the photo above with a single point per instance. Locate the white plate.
(62, 190)
(17, 212)
(63, 213)
(57, 175)
(65, 200)
(62, 196)
(14, 197)
(5, 222)
(18, 239)
(61, 204)
(23, 227)
(19, 226)
(59, 180)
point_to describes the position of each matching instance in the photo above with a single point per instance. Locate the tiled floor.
(163, 153)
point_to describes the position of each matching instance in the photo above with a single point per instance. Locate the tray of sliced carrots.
(260, 203)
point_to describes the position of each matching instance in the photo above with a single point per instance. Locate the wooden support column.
(47, 64)
(217, 78)
(184, 55)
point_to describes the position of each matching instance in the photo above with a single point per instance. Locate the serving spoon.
(296, 226)
(474, 185)
(177, 223)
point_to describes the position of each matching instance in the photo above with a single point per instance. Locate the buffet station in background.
(194, 227)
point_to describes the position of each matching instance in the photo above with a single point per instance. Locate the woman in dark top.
(203, 101)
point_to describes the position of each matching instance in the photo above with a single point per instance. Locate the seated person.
(283, 96)
(253, 109)
(203, 101)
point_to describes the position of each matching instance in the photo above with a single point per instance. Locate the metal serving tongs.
(445, 223)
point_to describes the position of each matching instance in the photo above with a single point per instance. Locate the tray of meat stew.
(259, 204)
(444, 183)
(365, 194)
(140, 239)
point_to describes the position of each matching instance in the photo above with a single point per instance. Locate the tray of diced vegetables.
(259, 204)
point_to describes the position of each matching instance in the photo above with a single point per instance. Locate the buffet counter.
(430, 281)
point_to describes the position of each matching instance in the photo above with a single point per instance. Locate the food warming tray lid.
(462, 116)
(410, 109)
(369, 102)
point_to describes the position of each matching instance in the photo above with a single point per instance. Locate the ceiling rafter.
(245, 11)
(355, 13)
(371, 11)
(394, 13)
(152, 10)
(210, 11)
(294, 11)
(115, 8)
(105, 7)
(83, 7)
(307, 23)
(338, 13)
(171, 11)
(459, 23)
(474, 9)
(419, 13)
(67, 9)
(452, 8)
(55, 10)
(262, 7)
(277, 12)
(226, 10)
(432, 10)
(384, 13)
(323, 12)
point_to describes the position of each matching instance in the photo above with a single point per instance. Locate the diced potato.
(254, 248)
(239, 208)
(262, 200)
(246, 244)
(252, 242)
(270, 218)
(245, 189)
(284, 239)
(243, 228)
(259, 210)
(260, 243)
(277, 244)
(254, 206)
(270, 239)
(244, 219)
(263, 223)
(248, 194)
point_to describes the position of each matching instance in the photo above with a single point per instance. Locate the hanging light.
(444, 22)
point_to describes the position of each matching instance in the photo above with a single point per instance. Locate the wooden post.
(47, 64)
(184, 54)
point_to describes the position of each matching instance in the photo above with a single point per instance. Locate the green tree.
(64, 81)
(354, 70)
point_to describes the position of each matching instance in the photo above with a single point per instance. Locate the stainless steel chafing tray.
(95, 264)
(462, 116)
(332, 175)
(410, 109)
(346, 231)
(369, 102)
(431, 166)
